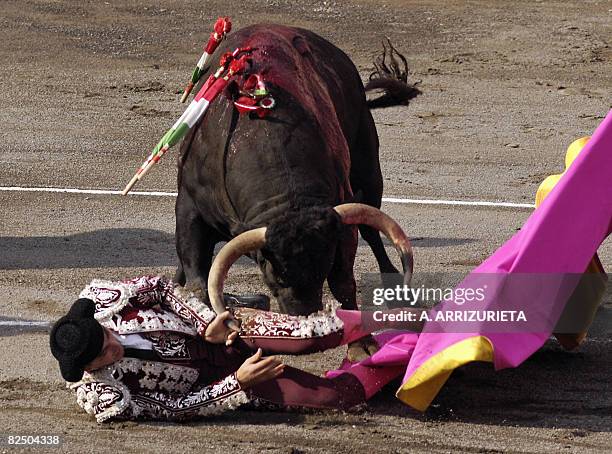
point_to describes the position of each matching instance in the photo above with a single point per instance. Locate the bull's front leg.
(341, 282)
(195, 244)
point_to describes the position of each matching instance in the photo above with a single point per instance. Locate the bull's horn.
(244, 243)
(358, 213)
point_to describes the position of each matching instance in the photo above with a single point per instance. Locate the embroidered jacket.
(131, 387)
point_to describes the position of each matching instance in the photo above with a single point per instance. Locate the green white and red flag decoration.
(235, 63)
(222, 27)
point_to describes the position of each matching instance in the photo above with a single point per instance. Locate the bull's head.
(296, 255)
(299, 251)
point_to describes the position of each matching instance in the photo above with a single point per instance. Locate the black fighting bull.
(315, 150)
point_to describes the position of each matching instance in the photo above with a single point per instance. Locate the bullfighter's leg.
(366, 179)
(195, 243)
(302, 389)
(296, 388)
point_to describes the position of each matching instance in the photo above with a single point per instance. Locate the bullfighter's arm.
(108, 401)
(189, 307)
(147, 292)
(156, 290)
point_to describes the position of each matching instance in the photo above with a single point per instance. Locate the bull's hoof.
(362, 349)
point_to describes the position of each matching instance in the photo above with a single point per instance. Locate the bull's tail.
(389, 81)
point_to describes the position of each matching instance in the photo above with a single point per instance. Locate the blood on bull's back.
(251, 167)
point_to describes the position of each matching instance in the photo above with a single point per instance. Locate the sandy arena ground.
(89, 87)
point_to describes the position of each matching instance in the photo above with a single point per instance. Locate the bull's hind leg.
(195, 244)
(367, 180)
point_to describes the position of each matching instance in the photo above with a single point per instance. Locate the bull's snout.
(299, 302)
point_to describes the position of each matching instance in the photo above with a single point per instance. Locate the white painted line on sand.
(23, 323)
(457, 202)
(174, 194)
(86, 191)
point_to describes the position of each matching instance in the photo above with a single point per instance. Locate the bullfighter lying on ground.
(144, 348)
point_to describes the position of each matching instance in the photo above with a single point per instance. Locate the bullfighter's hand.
(257, 369)
(218, 332)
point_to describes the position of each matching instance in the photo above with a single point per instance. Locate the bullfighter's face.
(112, 351)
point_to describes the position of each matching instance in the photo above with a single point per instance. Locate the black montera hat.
(76, 339)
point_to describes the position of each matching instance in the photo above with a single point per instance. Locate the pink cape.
(561, 236)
